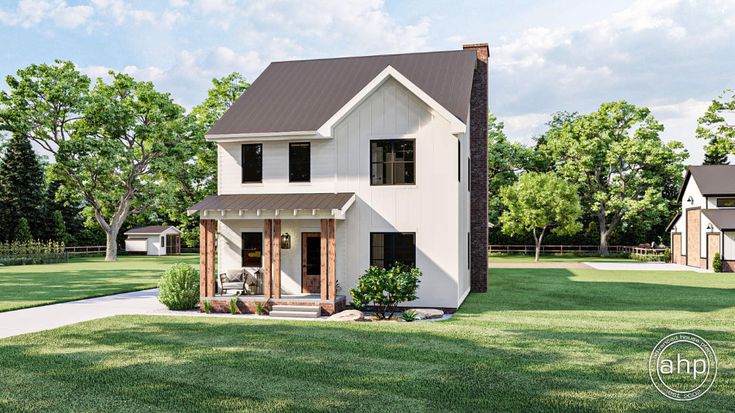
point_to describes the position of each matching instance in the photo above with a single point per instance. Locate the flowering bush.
(386, 288)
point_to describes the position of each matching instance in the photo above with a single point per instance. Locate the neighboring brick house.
(705, 225)
(328, 166)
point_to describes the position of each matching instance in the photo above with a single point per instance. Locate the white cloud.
(680, 122)
(523, 128)
(29, 13)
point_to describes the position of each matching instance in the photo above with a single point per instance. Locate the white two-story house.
(705, 225)
(329, 166)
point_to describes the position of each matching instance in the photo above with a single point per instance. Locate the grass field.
(31, 285)
(553, 258)
(540, 340)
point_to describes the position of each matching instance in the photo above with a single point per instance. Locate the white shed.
(153, 240)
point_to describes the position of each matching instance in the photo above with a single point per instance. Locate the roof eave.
(258, 136)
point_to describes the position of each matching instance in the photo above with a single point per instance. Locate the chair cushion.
(233, 276)
(232, 286)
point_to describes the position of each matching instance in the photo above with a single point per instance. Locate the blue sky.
(673, 56)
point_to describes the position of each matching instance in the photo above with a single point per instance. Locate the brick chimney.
(478, 160)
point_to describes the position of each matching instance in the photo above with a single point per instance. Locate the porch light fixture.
(690, 200)
(285, 241)
(710, 227)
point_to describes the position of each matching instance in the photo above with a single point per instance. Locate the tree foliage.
(21, 189)
(539, 202)
(110, 142)
(622, 167)
(505, 160)
(23, 232)
(717, 127)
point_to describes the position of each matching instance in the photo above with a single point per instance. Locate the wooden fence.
(86, 250)
(555, 249)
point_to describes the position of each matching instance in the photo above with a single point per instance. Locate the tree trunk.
(604, 251)
(111, 250)
(538, 240)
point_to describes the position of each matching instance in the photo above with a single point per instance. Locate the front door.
(311, 263)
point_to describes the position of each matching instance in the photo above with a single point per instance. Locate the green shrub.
(233, 306)
(386, 288)
(717, 262)
(259, 309)
(207, 307)
(178, 288)
(667, 255)
(409, 315)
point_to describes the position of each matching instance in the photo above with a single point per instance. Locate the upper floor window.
(299, 162)
(252, 163)
(388, 248)
(726, 202)
(393, 162)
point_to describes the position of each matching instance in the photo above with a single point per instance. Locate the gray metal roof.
(723, 219)
(150, 229)
(274, 201)
(712, 180)
(302, 95)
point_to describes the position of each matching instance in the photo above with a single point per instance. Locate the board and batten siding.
(430, 208)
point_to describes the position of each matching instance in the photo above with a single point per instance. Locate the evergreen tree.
(713, 154)
(58, 229)
(23, 232)
(71, 212)
(21, 189)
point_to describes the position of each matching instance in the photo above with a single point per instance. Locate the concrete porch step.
(295, 311)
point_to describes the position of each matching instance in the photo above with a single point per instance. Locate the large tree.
(505, 160)
(187, 186)
(110, 143)
(717, 126)
(21, 189)
(539, 202)
(617, 158)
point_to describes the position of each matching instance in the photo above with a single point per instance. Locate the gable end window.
(393, 162)
(725, 202)
(387, 248)
(299, 162)
(252, 163)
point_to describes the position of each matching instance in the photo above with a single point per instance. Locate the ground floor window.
(387, 248)
(252, 249)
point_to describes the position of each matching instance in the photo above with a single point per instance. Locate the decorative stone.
(347, 315)
(428, 313)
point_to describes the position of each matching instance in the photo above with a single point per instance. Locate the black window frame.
(727, 199)
(393, 143)
(385, 260)
(293, 163)
(254, 176)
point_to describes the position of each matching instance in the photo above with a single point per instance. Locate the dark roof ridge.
(372, 56)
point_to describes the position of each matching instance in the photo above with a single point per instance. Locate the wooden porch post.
(323, 260)
(267, 261)
(207, 230)
(277, 258)
(332, 260)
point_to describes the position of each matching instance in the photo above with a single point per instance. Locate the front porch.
(247, 304)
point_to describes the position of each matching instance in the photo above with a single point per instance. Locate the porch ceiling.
(259, 206)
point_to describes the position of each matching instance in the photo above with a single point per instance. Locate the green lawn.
(552, 258)
(31, 285)
(541, 340)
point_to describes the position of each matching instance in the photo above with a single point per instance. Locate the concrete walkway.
(641, 266)
(31, 320)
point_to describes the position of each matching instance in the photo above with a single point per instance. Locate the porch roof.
(724, 219)
(251, 202)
